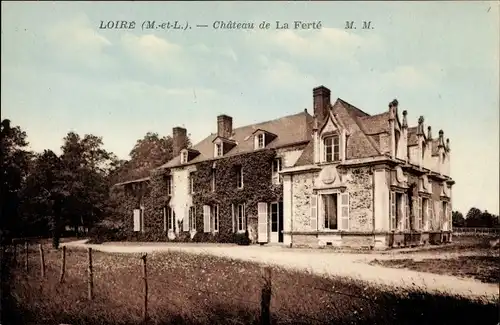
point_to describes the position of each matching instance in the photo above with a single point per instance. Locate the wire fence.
(470, 231)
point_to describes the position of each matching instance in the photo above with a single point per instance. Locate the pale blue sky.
(439, 59)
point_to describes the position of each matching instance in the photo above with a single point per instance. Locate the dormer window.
(184, 157)
(260, 141)
(331, 146)
(218, 149)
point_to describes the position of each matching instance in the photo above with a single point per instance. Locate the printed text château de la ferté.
(223, 25)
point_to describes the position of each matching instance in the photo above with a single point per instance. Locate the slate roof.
(290, 130)
(376, 124)
(363, 139)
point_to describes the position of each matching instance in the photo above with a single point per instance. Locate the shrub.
(242, 239)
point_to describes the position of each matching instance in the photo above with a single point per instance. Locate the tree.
(478, 218)
(14, 163)
(147, 154)
(85, 170)
(458, 219)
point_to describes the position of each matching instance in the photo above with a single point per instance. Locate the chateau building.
(338, 177)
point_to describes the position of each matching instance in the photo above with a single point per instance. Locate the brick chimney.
(224, 126)
(179, 140)
(322, 102)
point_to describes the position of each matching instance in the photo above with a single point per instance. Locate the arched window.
(423, 150)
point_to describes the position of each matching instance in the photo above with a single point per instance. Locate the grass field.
(193, 289)
(483, 266)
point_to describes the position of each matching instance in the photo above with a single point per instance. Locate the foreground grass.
(195, 289)
(483, 268)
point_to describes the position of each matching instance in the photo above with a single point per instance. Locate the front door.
(276, 216)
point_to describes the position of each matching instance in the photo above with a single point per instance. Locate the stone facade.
(360, 188)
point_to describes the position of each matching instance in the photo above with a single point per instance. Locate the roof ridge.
(352, 106)
(268, 121)
(376, 115)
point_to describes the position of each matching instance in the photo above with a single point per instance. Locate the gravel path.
(319, 262)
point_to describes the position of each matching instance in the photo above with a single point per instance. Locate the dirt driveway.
(323, 262)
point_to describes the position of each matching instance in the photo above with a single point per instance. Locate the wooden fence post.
(26, 254)
(63, 264)
(265, 304)
(90, 279)
(145, 278)
(42, 260)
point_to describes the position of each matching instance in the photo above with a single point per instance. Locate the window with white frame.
(192, 218)
(184, 157)
(168, 181)
(191, 183)
(214, 213)
(240, 218)
(213, 179)
(276, 171)
(334, 211)
(331, 148)
(260, 141)
(218, 150)
(330, 211)
(169, 222)
(239, 177)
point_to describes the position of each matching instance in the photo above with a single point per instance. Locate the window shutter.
(206, 218)
(393, 211)
(185, 223)
(344, 210)
(263, 231)
(137, 220)
(314, 211)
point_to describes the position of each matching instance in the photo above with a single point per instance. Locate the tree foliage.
(478, 218)
(147, 154)
(15, 160)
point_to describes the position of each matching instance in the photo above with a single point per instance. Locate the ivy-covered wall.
(257, 187)
(154, 201)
